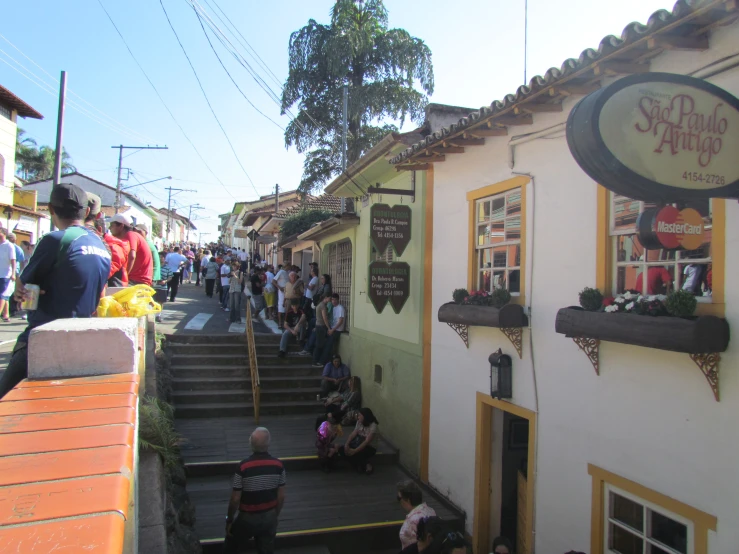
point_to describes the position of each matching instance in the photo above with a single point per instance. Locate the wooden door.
(522, 543)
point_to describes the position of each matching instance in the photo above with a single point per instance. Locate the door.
(522, 543)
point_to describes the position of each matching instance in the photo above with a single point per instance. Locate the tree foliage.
(34, 163)
(381, 67)
(302, 221)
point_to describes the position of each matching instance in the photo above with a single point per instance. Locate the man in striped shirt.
(257, 498)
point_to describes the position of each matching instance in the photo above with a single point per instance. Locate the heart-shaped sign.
(389, 282)
(390, 225)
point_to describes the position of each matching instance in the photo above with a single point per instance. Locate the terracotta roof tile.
(326, 202)
(15, 103)
(609, 47)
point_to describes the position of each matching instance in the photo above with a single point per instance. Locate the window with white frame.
(635, 526)
(666, 270)
(498, 244)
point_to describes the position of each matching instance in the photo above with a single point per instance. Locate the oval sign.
(659, 137)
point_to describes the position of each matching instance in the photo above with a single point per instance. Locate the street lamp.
(501, 380)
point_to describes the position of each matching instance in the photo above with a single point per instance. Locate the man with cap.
(118, 277)
(140, 263)
(70, 266)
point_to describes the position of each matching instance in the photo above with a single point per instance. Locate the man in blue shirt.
(70, 266)
(335, 376)
(175, 261)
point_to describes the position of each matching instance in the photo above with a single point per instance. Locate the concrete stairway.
(211, 378)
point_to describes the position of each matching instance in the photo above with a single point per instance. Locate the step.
(207, 349)
(197, 338)
(211, 383)
(209, 359)
(207, 371)
(292, 358)
(231, 409)
(240, 395)
(244, 382)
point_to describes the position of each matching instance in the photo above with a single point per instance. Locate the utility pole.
(277, 198)
(344, 130)
(59, 129)
(189, 217)
(169, 206)
(121, 148)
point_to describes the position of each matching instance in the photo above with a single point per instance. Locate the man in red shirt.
(659, 280)
(140, 263)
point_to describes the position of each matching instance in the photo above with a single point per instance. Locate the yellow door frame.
(483, 446)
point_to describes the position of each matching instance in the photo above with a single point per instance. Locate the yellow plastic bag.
(130, 302)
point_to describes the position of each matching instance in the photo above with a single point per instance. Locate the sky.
(478, 57)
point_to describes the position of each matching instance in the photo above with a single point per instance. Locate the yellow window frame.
(490, 190)
(702, 522)
(603, 269)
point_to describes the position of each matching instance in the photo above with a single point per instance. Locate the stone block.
(84, 347)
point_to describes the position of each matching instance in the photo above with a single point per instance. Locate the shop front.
(592, 235)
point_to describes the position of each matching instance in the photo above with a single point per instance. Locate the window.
(6, 112)
(498, 242)
(635, 526)
(340, 269)
(629, 518)
(665, 270)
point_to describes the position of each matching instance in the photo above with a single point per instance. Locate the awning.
(331, 226)
(266, 239)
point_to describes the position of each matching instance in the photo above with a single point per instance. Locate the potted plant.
(482, 308)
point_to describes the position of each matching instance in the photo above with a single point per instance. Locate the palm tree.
(34, 163)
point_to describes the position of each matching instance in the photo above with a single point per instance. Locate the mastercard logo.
(679, 228)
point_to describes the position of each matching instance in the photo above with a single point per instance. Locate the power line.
(162, 101)
(207, 100)
(200, 20)
(146, 138)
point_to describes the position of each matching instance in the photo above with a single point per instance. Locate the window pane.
(656, 550)
(514, 255)
(659, 279)
(623, 542)
(498, 208)
(483, 211)
(499, 281)
(627, 512)
(625, 212)
(499, 256)
(669, 532)
(514, 281)
(694, 278)
(629, 249)
(483, 235)
(514, 202)
(483, 282)
(486, 256)
(513, 228)
(626, 278)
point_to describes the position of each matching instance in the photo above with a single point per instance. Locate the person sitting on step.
(360, 444)
(326, 434)
(294, 326)
(335, 376)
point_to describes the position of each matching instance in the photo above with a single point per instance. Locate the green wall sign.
(389, 282)
(390, 225)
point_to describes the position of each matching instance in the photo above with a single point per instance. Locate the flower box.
(509, 316)
(697, 335)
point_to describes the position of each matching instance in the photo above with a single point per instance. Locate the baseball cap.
(68, 197)
(94, 203)
(122, 219)
(142, 227)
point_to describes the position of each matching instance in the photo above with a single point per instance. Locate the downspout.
(531, 339)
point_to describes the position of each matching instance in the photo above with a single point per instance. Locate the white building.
(642, 453)
(131, 206)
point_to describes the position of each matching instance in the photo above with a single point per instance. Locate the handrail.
(253, 367)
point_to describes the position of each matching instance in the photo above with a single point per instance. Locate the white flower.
(651, 298)
(629, 306)
(619, 299)
(612, 308)
(628, 295)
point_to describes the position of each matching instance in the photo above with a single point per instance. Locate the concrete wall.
(649, 417)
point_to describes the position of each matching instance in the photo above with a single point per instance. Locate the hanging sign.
(389, 282)
(659, 137)
(390, 225)
(668, 228)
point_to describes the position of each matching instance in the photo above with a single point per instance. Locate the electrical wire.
(73, 93)
(207, 100)
(162, 101)
(200, 20)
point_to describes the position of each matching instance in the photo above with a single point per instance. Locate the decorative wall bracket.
(591, 349)
(515, 335)
(708, 364)
(462, 330)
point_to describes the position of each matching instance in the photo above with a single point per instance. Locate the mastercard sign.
(671, 229)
